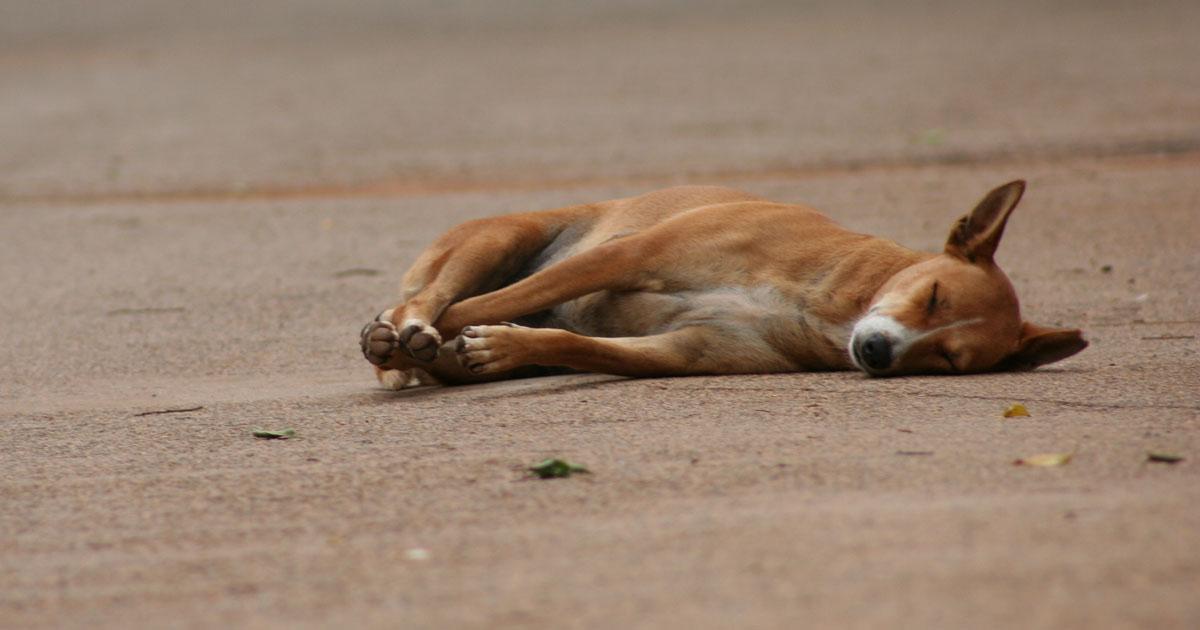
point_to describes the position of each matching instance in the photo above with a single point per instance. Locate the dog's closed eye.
(931, 306)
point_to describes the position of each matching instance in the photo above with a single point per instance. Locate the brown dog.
(706, 280)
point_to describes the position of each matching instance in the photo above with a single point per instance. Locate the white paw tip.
(395, 379)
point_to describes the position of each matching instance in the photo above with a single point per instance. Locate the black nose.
(876, 352)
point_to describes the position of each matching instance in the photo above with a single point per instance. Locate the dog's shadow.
(582, 381)
(513, 388)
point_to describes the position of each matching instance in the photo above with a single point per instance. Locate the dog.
(705, 280)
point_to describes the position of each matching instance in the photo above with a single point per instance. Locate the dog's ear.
(975, 236)
(1040, 345)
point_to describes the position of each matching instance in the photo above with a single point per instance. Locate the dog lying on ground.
(705, 280)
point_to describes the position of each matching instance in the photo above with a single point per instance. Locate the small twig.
(162, 411)
(1168, 337)
(357, 271)
(154, 310)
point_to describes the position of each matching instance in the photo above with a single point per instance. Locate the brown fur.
(699, 280)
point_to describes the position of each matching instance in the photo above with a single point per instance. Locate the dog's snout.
(876, 351)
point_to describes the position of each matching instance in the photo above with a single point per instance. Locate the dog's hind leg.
(613, 265)
(472, 258)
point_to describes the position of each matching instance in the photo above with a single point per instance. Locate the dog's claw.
(489, 349)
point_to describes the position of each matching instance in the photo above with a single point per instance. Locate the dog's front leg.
(486, 350)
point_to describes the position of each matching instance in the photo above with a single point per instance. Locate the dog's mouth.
(855, 358)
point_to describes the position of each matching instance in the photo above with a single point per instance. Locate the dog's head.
(957, 312)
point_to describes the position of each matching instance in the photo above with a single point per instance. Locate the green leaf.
(275, 435)
(556, 468)
(931, 137)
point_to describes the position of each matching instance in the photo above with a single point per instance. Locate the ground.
(202, 203)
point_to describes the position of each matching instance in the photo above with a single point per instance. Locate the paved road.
(200, 205)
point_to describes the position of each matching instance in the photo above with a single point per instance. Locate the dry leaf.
(1016, 410)
(1046, 460)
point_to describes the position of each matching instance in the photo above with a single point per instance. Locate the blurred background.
(230, 97)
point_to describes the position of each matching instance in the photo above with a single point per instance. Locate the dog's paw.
(490, 349)
(379, 339)
(420, 340)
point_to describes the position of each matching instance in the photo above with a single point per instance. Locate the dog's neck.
(855, 275)
(840, 294)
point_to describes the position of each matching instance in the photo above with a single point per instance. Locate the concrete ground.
(201, 203)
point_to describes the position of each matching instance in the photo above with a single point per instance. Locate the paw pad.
(379, 341)
(421, 341)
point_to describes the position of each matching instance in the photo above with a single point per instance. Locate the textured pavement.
(200, 205)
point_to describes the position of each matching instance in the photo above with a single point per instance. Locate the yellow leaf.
(1046, 460)
(1016, 410)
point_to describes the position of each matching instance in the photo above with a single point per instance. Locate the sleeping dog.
(705, 280)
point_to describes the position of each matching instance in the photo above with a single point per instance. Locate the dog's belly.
(747, 317)
(618, 314)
